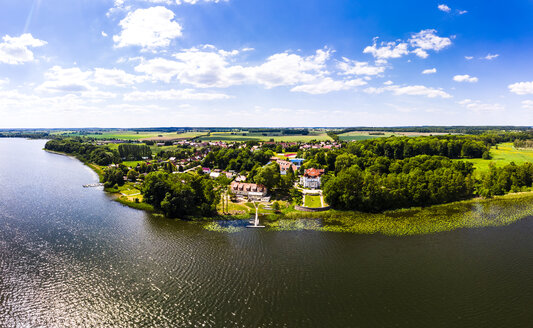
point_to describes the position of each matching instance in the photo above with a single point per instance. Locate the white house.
(311, 178)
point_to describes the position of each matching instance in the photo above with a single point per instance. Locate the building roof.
(313, 173)
(249, 187)
(284, 166)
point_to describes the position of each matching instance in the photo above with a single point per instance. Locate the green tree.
(269, 176)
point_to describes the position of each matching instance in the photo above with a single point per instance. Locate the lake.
(72, 257)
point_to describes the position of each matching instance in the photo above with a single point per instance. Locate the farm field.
(505, 154)
(244, 136)
(133, 135)
(364, 135)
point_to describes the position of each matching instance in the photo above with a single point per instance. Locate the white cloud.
(389, 82)
(521, 88)
(352, 67)
(104, 34)
(478, 106)
(444, 8)
(211, 68)
(465, 78)
(410, 90)
(74, 80)
(419, 90)
(429, 71)
(421, 53)
(148, 28)
(15, 50)
(115, 77)
(462, 12)
(4, 82)
(387, 50)
(428, 40)
(327, 85)
(527, 104)
(186, 94)
(66, 80)
(419, 42)
(469, 57)
(491, 56)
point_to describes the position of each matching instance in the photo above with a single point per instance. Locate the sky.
(275, 63)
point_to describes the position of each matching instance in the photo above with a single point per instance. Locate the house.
(206, 170)
(285, 165)
(311, 178)
(250, 190)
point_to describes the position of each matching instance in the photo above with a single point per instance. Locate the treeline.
(131, 152)
(501, 180)
(405, 147)
(523, 143)
(85, 151)
(417, 181)
(181, 195)
(27, 135)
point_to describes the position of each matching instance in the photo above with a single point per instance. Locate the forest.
(86, 151)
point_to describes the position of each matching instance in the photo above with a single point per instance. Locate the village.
(241, 187)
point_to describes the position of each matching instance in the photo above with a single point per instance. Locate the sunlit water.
(71, 257)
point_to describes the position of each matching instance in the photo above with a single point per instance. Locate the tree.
(132, 175)
(269, 176)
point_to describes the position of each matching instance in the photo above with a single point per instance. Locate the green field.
(245, 136)
(133, 135)
(364, 135)
(505, 154)
(312, 201)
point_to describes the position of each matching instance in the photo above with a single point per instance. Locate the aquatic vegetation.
(297, 224)
(475, 213)
(217, 227)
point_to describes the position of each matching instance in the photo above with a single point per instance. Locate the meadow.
(133, 135)
(364, 135)
(501, 155)
(246, 136)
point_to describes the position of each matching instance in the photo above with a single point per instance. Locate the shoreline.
(471, 213)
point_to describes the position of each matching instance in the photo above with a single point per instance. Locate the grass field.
(364, 135)
(312, 201)
(502, 156)
(245, 136)
(132, 135)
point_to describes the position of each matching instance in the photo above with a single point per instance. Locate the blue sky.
(140, 63)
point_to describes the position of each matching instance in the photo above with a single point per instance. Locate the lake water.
(71, 257)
